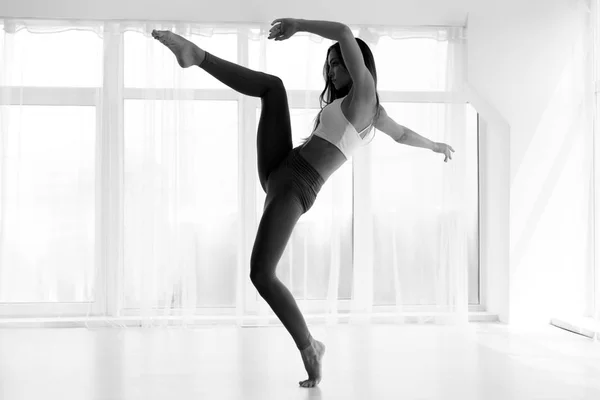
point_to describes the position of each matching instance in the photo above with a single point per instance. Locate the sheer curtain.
(129, 187)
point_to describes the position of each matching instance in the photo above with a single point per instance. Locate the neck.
(343, 91)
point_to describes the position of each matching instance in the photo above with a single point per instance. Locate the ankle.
(310, 345)
(199, 56)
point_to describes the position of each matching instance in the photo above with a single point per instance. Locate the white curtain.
(594, 20)
(136, 196)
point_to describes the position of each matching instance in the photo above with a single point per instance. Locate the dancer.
(292, 177)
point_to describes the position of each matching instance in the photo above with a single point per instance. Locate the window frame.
(109, 100)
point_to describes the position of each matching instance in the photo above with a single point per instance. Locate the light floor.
(361, 362)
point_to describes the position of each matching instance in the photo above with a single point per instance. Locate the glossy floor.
(492, 361)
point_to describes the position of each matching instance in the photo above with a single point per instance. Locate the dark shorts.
(295, 177)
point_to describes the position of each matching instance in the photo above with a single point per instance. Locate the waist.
(322, 156)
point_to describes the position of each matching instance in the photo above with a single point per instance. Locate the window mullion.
(247, 107)
(109, 164)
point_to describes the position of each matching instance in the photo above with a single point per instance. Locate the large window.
(48, 174)
(54, 176)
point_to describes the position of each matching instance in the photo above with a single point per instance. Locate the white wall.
(382, 12)
(525, 59)
(522, 63)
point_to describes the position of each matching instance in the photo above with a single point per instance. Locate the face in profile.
(338, 74)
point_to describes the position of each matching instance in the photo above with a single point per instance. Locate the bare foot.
(312, 357)
(187, 53)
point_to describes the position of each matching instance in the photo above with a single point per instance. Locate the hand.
(444, 149)
(286, 29)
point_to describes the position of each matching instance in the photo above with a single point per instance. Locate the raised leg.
(274, 138)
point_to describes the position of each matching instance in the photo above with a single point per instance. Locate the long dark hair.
(330, 89)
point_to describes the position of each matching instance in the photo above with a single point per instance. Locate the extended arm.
(412, 138)
(402, 134)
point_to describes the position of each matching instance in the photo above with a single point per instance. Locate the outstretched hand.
(286, 29)
(444, 149)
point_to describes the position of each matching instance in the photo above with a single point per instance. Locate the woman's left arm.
(288, 26)
(328, 29)
(351, 53)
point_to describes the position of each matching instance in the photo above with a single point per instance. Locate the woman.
(292, 177)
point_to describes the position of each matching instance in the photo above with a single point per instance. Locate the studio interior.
(300, 200)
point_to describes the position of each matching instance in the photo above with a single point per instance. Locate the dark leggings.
(282, 208)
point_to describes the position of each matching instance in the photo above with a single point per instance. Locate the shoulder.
(364, 99)
(364, 90)
(363, 93)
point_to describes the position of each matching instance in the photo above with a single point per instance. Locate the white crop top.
(337, 130)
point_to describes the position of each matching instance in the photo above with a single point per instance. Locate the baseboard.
(581, 325)
(132, 321)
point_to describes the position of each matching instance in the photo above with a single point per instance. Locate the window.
(55, 173)
(48, 173)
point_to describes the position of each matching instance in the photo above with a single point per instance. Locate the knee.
(260, 280)
(276, 82)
